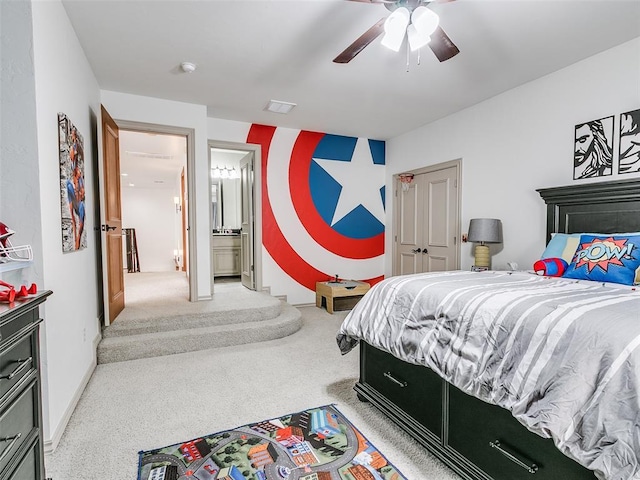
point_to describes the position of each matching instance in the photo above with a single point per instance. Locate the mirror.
(225, 189)
(225, 195)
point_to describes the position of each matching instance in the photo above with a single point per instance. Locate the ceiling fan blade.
(442, 45)
(365, 39)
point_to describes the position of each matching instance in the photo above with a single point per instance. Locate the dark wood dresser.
(478, 440)
(21, 447)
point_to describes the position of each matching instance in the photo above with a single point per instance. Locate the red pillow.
(550, 267)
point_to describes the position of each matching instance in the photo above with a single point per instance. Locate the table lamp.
(482, 231)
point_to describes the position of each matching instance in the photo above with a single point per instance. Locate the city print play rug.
(315, 444)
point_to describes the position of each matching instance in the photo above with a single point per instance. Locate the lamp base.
(482, 258)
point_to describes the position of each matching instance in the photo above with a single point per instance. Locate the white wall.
(19, 175)
(156, 111)
(519, 141)
(65, 83)
(152, 213)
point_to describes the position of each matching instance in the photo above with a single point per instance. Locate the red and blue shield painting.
(323, 202)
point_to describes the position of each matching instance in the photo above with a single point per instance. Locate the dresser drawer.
(474, 426)
(29, 466)
(413, 388)
(17, 421)
(11, 327)
(16, 362)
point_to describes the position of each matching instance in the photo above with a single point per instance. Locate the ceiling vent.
(277, 106)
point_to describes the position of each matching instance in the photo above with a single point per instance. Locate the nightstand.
(341, 295)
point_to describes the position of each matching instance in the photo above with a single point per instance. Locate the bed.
(511, 375)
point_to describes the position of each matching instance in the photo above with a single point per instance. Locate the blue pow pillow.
(606, 259)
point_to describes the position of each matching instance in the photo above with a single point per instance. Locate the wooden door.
(439, 242)
(112, 217)
(427, 225)
(246, 214)
(409, 236)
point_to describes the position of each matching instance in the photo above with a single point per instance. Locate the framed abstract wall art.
(72, 187)
(593, 152)
(629, 158)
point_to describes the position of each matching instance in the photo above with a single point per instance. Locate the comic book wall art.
(593, 149)
(629, 159)
(72, 186)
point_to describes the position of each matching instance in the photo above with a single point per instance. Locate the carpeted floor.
(144, 404)
(164, 294)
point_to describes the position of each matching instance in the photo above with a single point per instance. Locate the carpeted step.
(194, 315)
(156, 344)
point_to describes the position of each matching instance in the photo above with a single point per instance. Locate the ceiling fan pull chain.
(408, 56)
(418, 57)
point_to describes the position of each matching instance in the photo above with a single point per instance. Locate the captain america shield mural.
(330, 217)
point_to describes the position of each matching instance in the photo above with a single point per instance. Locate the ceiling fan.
(407, 16)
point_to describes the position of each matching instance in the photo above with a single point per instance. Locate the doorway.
(233, 219)
(427, 219)
(154, 200)
(149, 165)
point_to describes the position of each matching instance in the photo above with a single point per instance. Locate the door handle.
(417, 250)
(106, 227)
(424, 250)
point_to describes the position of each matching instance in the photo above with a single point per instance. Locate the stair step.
(156, 344)
(194, 319)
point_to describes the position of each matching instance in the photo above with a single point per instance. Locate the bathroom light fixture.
(224, 172)
(276, 106)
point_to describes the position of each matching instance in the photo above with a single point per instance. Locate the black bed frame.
(477, 440)
(604, 207)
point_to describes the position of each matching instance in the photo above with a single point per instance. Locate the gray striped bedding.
(562, 355)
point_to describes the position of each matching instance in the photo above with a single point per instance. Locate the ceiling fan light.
(425, 20)
(416, 39)
(395, 27)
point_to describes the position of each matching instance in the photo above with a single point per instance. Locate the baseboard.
(96, 341)
(304, 305)
(267, 290)
(51, 444)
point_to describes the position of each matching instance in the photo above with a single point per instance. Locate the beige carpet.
(148, 403)
(159, 320)
(166, 294)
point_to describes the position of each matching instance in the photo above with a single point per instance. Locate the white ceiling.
(249, 52)
(149, 160)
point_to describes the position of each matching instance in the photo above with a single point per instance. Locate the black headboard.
(603, 207)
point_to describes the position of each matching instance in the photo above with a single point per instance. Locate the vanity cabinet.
(21, 447)
(226, 255)
(478, 440)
